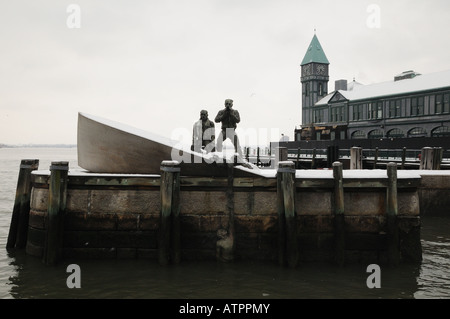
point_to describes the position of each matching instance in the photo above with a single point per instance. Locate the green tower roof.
(315, 53)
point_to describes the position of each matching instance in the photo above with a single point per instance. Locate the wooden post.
(176, 227)
(258, 158)
(298, 158)
(18, 230)
(356, 158)
(332, 155)
(403, 157)
(247, 154)
(339, 218)
(437, 158)
(281, 221)
(287, 171)
(376, 158)
(313, 160)
(391, 215)
(57, 196)
(426, 158)
(283, 154)
(168, 239)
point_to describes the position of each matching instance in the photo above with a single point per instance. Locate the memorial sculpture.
(229, 118)
(203, 134)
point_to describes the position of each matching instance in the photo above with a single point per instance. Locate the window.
(446, 103)
(320, 89)
(438, 104)
(395, 108)
(417, 106)
(417, 132)
(306, 89)
(375, 110)
(379, 110)
(442, 103)
(341, 114)
(357, 112)
(395, 133)
(333, 114)
(319, 116)
(440, 131)
(338, 114)
(357, 135)
(376, 134)
(370, 112)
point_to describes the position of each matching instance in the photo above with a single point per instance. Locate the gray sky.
(155, 64)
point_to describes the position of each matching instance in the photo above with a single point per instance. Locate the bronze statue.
(203, 134)
(229, 118)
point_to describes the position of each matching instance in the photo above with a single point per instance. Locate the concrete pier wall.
(118, 216)
(434, 193)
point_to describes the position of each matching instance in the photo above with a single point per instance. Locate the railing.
(372, 158)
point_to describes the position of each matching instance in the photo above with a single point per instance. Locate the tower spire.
(315, 52)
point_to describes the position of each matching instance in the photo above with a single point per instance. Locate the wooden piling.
(298, 158)
(18, 230)
(332, 155)
(375, 161)
(258, 157)
(431, 158)
(281, 221)
(391, 215)
(403, 158)
(313, 160)
(437, 158)
(287, 171)
(282, 154)
(176, 227)
(356, 158)
(169, 229)
(55, 212)
(339, 218)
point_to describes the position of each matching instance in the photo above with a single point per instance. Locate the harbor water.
(24, 276)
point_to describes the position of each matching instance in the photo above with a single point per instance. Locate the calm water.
(23, 276)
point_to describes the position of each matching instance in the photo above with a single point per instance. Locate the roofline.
(443, 88)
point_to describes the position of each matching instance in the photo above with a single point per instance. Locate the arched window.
(440, 131)
(417, 132)
(358, 135)
(376, 134)
(395, 133)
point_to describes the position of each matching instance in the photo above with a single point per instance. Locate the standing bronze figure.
(229, 118)
(203, 134)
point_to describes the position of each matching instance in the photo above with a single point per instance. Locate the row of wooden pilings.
(18, 231)
(169, 243)
(169, 240)
(430, 157)
(288, 252)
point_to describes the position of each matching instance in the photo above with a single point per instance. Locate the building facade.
(412, 105)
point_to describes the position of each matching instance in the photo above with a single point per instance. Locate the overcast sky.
(155, 64)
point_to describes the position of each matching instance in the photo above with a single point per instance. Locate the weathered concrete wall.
(434, 193)
(120, 217)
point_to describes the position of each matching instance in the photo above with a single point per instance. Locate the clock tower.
(314, 79)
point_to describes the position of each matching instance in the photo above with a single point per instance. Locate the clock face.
(321, 69)
(307, 70)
